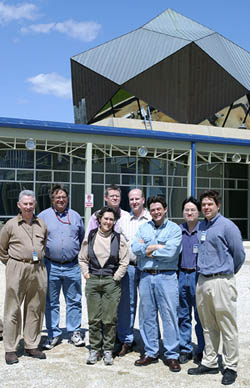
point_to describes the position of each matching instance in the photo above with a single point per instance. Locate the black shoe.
(11, 358)
(198, 358)
(229, 377)
(35, 353)
(203, 370)
(185, 357)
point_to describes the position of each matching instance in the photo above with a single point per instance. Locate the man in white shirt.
(127, 307)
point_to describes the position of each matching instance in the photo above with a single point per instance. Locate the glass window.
(97, 178)
(129, 180)
(235, 204)
(159, 181)
(234, 170)
(43, 176)
(78, 177)
(217, 183)
(77, 163)
(7, 175)
(77, 199)
(61, 176)
(112, 179)
(17, 159)
(242, 184)
(98, 192)
(42, 196)
(43, 160)
(202, 182)
(145, 180)
(60, 162)
(9, 196)
(175, 198)
(97, 161)
(210, 170)
(24, 175)
(229, 183)
(174, 181)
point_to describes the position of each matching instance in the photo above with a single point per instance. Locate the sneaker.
(108, 358)
(51, 343)
(76, 339)
(93, 357)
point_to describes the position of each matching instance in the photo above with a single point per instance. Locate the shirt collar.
(213, 220)
(162, 225)
(145, 215)
(20, 218)
(64, 213)
(185, 229)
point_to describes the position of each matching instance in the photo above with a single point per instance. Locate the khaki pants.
(25, 283)
(216, 302)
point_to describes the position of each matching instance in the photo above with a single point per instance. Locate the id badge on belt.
(35, 257)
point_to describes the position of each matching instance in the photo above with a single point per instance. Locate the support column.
(88, 180)
(191, 170)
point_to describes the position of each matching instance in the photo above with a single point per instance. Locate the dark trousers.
(103, 295)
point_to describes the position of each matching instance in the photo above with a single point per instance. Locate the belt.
(133, 263)
(188, 270)
(31, 261)
(213, 275)
(156, 271)
(61, 262)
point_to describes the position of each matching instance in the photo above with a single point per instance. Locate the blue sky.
(39, 37)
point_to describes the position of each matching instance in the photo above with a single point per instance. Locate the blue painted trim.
(193, 168)
(52, 126)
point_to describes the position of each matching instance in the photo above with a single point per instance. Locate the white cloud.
(9, 13)
(51, 83)
(84, 31)
(39, 28)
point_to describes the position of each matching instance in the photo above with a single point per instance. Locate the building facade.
(172, 160)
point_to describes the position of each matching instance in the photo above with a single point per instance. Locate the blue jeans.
(159, 293)
(187, 291)
(68, 278)
(127, 305)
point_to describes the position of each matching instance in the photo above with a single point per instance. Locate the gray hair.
(29, 193)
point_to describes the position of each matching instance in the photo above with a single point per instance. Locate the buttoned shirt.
(166, 258)
(220, 246)
(129, 226)
(93, 222)
(65, 234)
(19, 240)
(189, 246)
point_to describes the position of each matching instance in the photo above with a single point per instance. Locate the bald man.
(127, 307)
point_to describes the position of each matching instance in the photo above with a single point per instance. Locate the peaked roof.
(190, 65)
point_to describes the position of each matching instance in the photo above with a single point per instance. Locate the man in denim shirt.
(221, 254)
(65, 235)
(157, 245)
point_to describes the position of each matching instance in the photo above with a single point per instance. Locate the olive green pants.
(103, 295)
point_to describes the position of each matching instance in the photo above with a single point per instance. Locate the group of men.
(176, 269)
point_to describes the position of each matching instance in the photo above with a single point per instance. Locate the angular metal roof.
(197, 71)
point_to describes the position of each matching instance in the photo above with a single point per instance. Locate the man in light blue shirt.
(65, 235)
(221, 254)
(157, 245)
